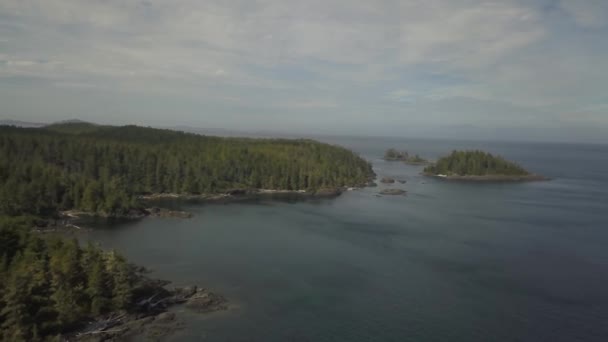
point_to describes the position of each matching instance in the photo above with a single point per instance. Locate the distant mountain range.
(26, 124)
(21, 123)
(188, 129)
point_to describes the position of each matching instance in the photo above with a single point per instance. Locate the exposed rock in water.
(150, 318)
(372, 184)
(165, 317)
(204, 301)
(241, 192)
(393, 192)
(162, 212)
(402, 181)
(328, 192)
(387, 180)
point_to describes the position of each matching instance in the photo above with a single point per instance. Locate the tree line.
(50, 286)
(475, 163)
(104, 168)
(393, 155)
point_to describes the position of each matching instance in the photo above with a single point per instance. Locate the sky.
(509, 69)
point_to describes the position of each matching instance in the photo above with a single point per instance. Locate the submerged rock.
(162, 212)
(387, 180)
(393, 192)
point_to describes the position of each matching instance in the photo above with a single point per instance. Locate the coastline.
(408, 162)
(152, 316)
(228, 196)
(490, 178)
(245, 193)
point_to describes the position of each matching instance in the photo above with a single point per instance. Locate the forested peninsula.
(107, 169)
(52, 289)
(478, 166)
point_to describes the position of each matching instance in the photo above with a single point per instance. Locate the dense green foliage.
(474, 163)
(104, 169)
(393, 155)
(49, 286)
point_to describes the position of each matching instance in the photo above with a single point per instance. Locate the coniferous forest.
(474, 163)
(49, 286)
(104, 169)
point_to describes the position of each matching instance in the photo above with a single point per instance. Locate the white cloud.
(400, 94)
(587, 13)
(469, 37)
(317, 54)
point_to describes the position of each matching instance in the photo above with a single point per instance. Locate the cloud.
(468, 37)
(401, 94)
(587, 13)
(341, 58)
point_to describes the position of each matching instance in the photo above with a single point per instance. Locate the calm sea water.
(447, 262)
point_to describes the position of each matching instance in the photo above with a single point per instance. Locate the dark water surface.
(447, 262)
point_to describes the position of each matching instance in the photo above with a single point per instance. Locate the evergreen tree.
(122, 276)
(67, 281)
(98, 283)
(104, 169)
(49, 286)
(476, 163)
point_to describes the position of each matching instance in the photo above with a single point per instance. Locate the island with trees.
(478, 166)
(393, 155)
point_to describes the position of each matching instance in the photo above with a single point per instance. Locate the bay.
(447, 262)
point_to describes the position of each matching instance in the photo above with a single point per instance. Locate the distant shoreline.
(229, 196)
(490, 178)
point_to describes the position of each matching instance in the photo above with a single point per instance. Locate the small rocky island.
(393, 155)
(478, 166)
(387, 180)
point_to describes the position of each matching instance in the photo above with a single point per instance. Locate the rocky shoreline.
(68, 220)
(490, 178)
(151, 318)
(66, 217)
(132, 214)
(246, 193)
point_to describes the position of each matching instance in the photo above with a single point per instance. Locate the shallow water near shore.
(448, 261)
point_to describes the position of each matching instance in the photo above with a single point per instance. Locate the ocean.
(449, 261)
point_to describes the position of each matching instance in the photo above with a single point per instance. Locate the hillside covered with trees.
(104, 168)
(50, 286)
(474, 163)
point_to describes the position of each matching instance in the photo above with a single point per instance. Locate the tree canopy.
(105, 168)
(474, 163)
(393, 155)
(50, 286)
